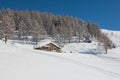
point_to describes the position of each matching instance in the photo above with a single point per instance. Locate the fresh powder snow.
(78, 61)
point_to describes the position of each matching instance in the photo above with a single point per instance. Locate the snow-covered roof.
(44, 43)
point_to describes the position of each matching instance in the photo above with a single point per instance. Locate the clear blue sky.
(104, 12)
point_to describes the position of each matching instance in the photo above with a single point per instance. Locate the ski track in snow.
(79, 63)
(83, 64)
(109, 58)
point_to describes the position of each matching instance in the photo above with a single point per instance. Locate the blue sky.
(104, 12)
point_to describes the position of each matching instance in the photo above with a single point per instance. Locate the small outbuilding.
(48, 46)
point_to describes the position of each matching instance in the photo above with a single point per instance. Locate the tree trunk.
(5, 39)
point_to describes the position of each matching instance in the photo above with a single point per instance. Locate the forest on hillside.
(20, 25)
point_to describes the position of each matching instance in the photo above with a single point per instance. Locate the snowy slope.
(114, 36)
(21, 62)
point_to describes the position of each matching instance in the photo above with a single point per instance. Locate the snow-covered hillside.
(79, 61)
(114, 36)
(21, 62)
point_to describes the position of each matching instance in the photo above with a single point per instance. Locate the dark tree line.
(21, 24)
